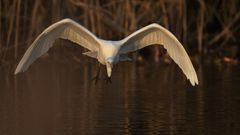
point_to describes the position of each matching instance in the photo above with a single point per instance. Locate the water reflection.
(56, 96)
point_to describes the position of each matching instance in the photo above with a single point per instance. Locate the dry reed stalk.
(11, 21)
(200, 24)
(98, 19)
(17, 28)
(184, 24)
(91, 16)
(144, 9)
(1, 33)
(11, 11)
(56, 12)
(132, 17)
(116, 19)
(126, 10)
(226, 29)
(33, 22)
(179, 17)
(164, 16)
(24, 21)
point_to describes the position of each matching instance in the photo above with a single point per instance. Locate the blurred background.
(148, 96)
(208, 27)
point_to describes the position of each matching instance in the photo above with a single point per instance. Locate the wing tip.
(16, 72)
(20, 68)
(194, 82)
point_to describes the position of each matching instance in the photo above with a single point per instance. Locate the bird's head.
(109, 64)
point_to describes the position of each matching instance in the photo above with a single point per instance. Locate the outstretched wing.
(156, 34)
(66, 29)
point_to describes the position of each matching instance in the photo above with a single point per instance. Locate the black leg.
(108, 80)
(97, 77)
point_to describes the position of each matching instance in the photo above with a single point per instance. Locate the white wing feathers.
(66, 29)
(149, 35)
(156, 34)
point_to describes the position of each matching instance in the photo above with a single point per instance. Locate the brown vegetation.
(201, 25)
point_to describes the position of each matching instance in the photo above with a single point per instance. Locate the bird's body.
(108, 49)
(109, 52)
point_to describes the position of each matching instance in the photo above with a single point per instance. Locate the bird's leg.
(108, 80)
(97, 78)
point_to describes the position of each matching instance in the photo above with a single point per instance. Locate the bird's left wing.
(156, 34)
(66, 29)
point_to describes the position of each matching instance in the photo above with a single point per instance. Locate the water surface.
(56, 97)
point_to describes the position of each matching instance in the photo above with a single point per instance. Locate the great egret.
(109, 52)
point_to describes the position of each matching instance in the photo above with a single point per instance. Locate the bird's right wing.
(66, 29)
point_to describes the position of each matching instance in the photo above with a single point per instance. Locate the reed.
(198, 24)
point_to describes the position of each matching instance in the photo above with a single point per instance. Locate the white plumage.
(109, 52)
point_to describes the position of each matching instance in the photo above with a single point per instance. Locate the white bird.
(109, 52)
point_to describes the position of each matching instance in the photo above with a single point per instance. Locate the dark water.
(56, 97)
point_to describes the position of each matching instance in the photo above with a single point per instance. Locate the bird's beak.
(109, 67)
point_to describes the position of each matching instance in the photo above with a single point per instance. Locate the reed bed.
(203, 26)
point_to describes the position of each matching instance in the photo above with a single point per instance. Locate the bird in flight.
(109, 52)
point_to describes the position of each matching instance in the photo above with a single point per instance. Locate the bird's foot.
(95, 79)
(108, 80)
